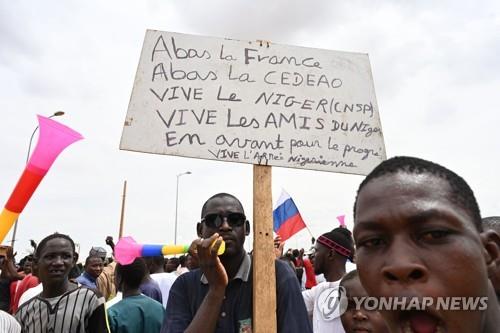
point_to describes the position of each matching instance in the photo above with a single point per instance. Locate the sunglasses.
(216, 220)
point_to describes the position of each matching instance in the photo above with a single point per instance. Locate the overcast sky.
(435, 67)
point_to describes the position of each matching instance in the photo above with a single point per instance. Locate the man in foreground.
(62, 306)
(418, 234)
(217, 297)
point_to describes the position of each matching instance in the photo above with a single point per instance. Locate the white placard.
(254, 102)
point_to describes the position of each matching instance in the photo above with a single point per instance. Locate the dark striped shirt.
(76, 311)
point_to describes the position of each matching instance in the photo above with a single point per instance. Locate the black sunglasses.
(215, 220)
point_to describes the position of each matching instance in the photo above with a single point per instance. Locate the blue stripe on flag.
(284, 212)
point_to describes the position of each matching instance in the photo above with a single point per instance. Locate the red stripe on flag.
(291, 227)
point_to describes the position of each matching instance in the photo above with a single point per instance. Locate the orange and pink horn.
(52, 140)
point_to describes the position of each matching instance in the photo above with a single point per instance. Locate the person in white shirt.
(8, 324)
(332, 250)
(156, 266)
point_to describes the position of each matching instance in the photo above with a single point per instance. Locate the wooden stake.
(264, 275)
(122, 215)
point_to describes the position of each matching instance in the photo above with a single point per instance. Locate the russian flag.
(286, 217)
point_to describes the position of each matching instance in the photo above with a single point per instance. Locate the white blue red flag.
(286, 217)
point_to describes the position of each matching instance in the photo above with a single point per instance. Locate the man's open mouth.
(421, 322)
(361, 329)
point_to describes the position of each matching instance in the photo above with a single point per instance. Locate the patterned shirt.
(77, 311)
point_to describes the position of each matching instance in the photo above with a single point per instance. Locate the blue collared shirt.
(189, 290)
(87, 280)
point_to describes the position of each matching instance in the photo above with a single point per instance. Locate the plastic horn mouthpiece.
(127, 250)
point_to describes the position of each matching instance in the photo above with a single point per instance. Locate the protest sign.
(254, 102)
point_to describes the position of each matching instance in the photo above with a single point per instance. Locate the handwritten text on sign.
(255, 103)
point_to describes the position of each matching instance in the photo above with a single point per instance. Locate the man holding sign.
(217, 297)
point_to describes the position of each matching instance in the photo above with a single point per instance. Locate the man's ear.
(331, 254)
(491, 244)
(199, 229)
(247, 228)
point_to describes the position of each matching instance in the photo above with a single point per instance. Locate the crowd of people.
(418, 237)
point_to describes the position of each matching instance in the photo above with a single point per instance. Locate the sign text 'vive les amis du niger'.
(254, 102)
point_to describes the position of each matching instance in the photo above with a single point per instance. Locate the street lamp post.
(56, 114)
(177, 202)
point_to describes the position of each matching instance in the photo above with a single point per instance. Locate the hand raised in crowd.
(109, 241)
(278, 247)
(7, 266)
(210, 263)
